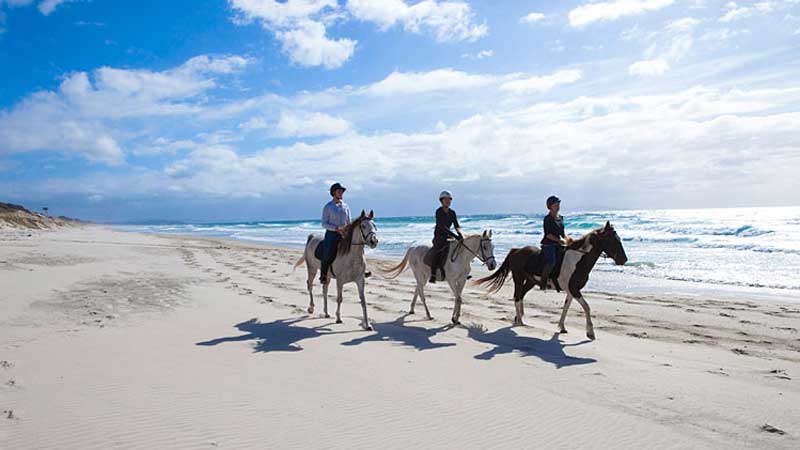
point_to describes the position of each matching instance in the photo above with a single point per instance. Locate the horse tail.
(395, 271)
(495, 281)
(303, 257)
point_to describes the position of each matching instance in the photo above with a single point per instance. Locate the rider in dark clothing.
(445, 218)
(553, 232)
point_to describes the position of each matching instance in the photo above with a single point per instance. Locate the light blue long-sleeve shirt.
(335, 215)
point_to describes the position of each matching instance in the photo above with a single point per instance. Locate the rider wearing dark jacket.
(553, 232)
(445, 218)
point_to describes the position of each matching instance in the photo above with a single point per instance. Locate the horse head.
(611, 244)
(369, 232)
(486, 250)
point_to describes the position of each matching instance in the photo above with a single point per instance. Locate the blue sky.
(249, 109)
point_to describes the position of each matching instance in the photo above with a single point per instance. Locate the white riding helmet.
(445, 194)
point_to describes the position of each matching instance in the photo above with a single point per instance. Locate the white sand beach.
(112, 340)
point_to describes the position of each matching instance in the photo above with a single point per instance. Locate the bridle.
(364, 238)
(603, 253)
(482, 258)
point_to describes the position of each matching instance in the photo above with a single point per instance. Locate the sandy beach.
(132, 341)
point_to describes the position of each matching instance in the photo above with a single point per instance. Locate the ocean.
(717, 253)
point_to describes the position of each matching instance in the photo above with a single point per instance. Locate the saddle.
(428, 259)
(318, 255)
(536, 262)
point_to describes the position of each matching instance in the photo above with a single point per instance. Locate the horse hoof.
(411, 313)
(590, 336)
(310, 310)
(455, 322)
(338, 320)
(563, 331)
(327, 316)
(368, 328)
(430, 317)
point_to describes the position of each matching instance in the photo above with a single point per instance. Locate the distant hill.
(16, 216)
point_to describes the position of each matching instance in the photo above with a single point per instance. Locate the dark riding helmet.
(336, 186)
(552, 200)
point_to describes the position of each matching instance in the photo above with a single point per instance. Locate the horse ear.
(371, 214)
(490, 232)
(363, 213)
(608, 225)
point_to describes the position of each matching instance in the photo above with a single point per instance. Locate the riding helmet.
(445, 194)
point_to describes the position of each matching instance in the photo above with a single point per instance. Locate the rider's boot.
(323, 275)
(545, 275)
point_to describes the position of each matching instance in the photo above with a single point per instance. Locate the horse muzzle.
(491, 264)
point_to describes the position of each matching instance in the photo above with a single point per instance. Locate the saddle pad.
(536, 261)
(318, 253)
(428, 260)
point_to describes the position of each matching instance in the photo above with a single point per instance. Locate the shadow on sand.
(276, 336)
(400, 332)
(506, 340)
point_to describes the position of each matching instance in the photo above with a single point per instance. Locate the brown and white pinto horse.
(579, 260)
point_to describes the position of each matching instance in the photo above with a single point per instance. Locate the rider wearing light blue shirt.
(335, 217)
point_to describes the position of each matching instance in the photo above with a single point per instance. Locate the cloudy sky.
(249, 109)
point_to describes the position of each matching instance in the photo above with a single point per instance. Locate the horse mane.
(577, 244)
(347, 240)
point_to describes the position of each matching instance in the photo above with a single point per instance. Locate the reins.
(480, 257)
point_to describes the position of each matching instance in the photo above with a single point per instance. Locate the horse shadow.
(506, 340)
(399, 332)
(276, 336)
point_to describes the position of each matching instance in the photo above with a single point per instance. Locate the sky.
(214, 110)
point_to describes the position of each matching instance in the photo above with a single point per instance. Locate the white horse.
(349, 265)
(456, 268)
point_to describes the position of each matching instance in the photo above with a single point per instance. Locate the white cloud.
(700, 141)
(653, 67)
(480, 55)
(613, 10)
(300, 26)
(305, 124)
(682, 24)
(308, 45)
(400, 83)
(541, 83)
(735, 12)
(532, 18)
(48, 6)
(77, 117)
(447, 20)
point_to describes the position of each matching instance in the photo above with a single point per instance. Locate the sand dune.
(121, 340)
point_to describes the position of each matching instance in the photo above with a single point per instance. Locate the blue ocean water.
(742, 252)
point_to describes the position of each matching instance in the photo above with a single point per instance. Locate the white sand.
(116, 340)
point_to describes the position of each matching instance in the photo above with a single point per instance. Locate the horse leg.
(457, 289)
(421, 291)
(324, 295)
(519, 309)
(589, 325)
(310, 285)
(360, 285)
(561, 326)
(414, 300)
(338, 301)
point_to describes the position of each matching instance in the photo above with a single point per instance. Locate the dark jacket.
(445, 220)
(553, 226)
